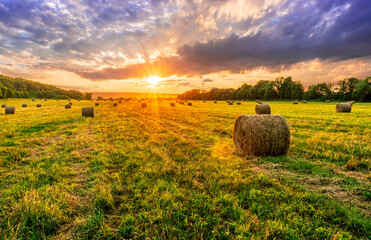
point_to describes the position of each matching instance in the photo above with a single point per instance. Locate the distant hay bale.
(120, 101)
(215, 102)
(238, 103)
(181, 102)
(230, 103)
(87, 112)
(3, 105)
(257, 135)
(24, 105)
(295, 102)
(115, 104)
(304, 101)
(46, 99)
(9, 110)
(204, 101)
(185, 101)
(172, 104)
(97, 104)
(78, 100)
(33, 100)
(343, 107)
(262, 108)
(189, 104)
(57, 100)
(144, 104)
(67, 106)
(38, 105)
(327, 101)
(70, 103)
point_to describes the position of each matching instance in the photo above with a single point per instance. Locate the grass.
(171, 173)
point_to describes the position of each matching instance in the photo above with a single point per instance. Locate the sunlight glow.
(153, 80)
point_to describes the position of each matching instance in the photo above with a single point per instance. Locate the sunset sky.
(172, 46)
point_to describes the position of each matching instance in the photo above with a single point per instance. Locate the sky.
(171, 46)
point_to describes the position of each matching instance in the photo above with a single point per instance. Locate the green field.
(171, 173)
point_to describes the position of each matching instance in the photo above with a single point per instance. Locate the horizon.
(161, 46)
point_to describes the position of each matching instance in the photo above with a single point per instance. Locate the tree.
(362, 91)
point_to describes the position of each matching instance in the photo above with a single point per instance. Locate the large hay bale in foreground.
(97, 104)
(24, 105)
(144, 104)
(38, 105)
(262, 108)
(343, 107)
(67, 106)
(9, 110)
(88, 112)
(256, 135)
(3, 105)
(172, 104)
(189, 104)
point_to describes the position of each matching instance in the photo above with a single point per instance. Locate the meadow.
(165, 172)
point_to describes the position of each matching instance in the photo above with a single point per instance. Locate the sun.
(153, 80)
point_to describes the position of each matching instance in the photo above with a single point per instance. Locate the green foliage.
(362, 91)
(21, 88)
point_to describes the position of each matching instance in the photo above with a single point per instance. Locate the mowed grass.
(167, 172)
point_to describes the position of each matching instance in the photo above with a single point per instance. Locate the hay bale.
(215, 102)
(33, 100)
(70, 103)
(3, 105)
(255, 135)
(97, 104)
(144, 104)
(172, 104)
(115, 104)
(262, 108)
(57, 100)
(230, 103)
(120, 101)
(46, 99)
(181, 102)
(78, 100)
(185, 101)
(327, 101)
(295, 102)
(304, 101)
(9, 110)
(67, 106)
(88, 112)
(38, 105)
(238, 103)
(204, 101)
(259, 102)
(189, 104)
(343, 107)
(24, 105)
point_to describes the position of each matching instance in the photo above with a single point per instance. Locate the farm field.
(167, 172)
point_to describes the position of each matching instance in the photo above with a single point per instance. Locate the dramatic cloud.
(103, 40)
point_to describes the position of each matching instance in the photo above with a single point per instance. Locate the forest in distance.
(285, 88)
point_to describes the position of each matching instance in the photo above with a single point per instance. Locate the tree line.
(22, 88)
(285, 88)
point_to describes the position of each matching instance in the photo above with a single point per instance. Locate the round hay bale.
(295, 102)
(215, 102)
(350, 104)
(189, 104)
(46, 99)
(262, 108)
(144, 104)
(257, 135)
(120, 101)
(87, 112)
(185, 101)
(3, 105)
(172, 104)
(97, 104)
(24, 105)
(57, 100)
(9, 110)
(78, 100)
(238, 103)
(115, 104)
(258, 101)
(67, 106)
(327, 101)
(343, 107)
(304, 101)
(181, 102)
(230, 103)
(38, 105)
(204, 101)
(70, 103)
(33, 100)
